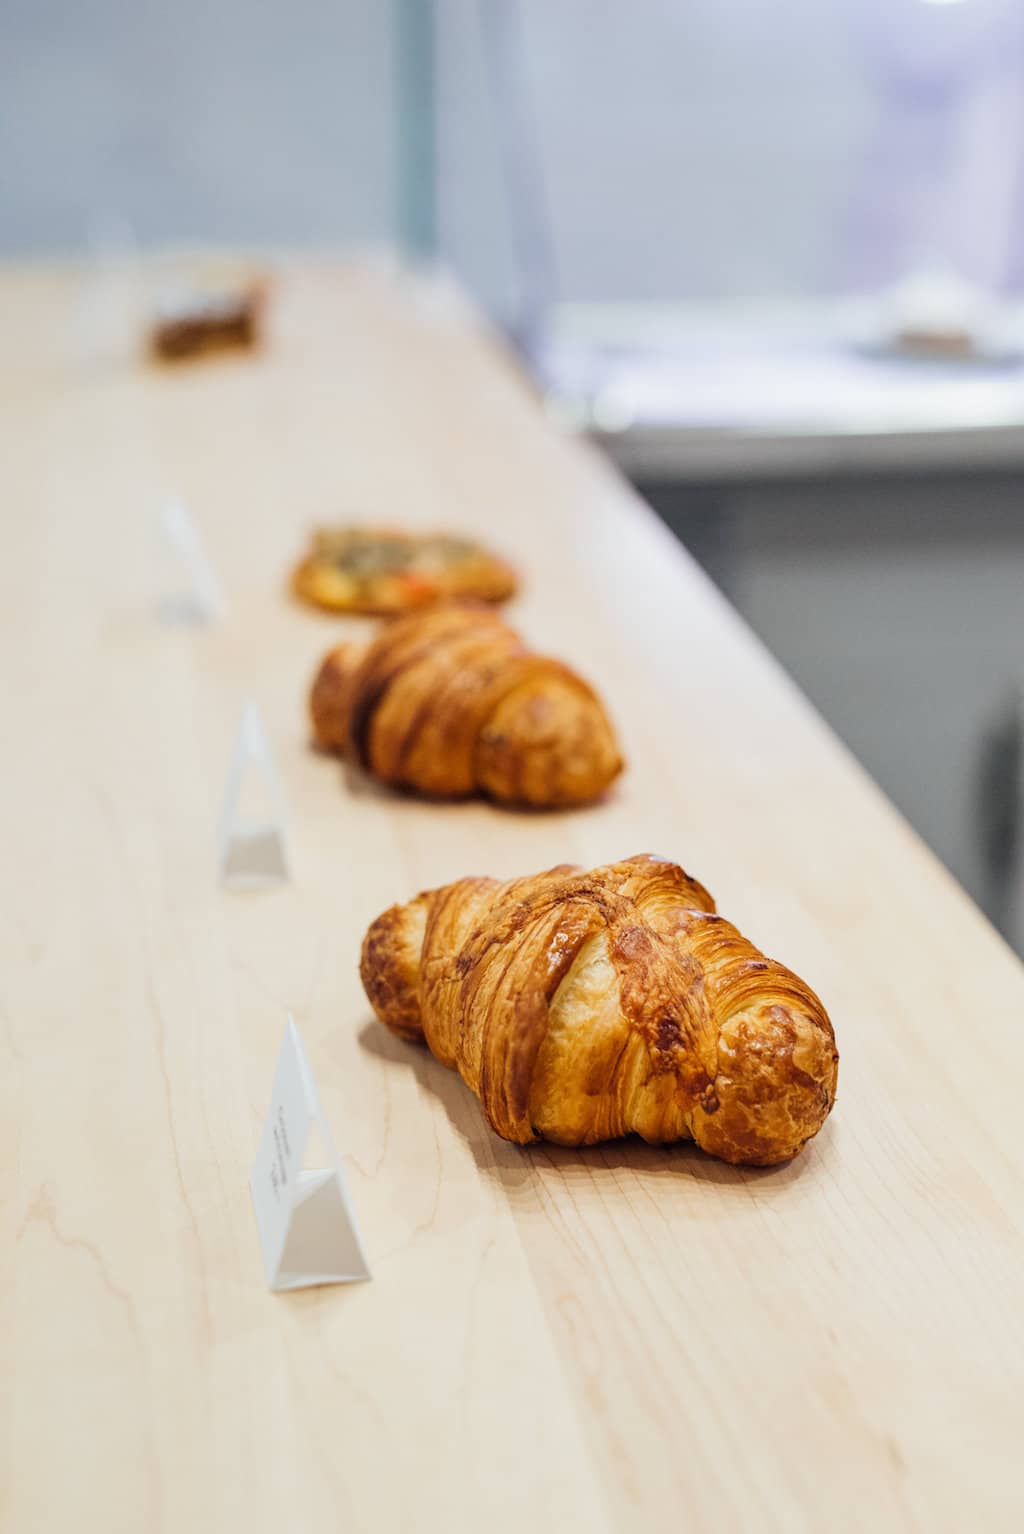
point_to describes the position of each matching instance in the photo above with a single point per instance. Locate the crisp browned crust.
(450, 702)
(390, 966)
(339, 572)
(580, 1007)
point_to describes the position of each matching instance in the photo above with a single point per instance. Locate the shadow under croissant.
(516, 1165)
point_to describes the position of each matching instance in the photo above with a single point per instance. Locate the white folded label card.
(193, 593)
(252, 822)
(306, 1224)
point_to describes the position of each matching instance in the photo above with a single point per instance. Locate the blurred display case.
(731, 239)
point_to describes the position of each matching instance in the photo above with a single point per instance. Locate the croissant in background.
(580, 1007)
(450, 702)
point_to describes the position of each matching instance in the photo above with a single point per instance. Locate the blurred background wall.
(697, 149)
(263, 122)
(705, 149)
(645, 151)
(220, 120)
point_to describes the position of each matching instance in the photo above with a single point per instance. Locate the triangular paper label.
(192, 592)
(252, 823)
(306, 1224)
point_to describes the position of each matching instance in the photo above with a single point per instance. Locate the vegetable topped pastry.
(382, 570)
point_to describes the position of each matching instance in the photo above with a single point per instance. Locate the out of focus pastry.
(213, 310)
(381, 570)
(450, 702)
(934, 314)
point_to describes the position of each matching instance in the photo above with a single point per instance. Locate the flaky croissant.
(450, 702)
(580, 1007)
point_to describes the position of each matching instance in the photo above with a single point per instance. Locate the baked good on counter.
(216, 310)
(451, 702)
(382, 571)
(580, 1007)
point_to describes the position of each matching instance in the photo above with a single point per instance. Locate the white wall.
(697, 147)
(220, 120)
(690, 147)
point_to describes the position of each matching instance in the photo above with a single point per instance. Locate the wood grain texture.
(619, 1338)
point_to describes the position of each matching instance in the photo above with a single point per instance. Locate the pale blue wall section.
(690, 149)
(247, 120)
(693, 147)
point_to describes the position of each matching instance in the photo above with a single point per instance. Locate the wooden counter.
(615, 1339)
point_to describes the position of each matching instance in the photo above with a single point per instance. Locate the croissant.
(580, 1007)
(449, 701)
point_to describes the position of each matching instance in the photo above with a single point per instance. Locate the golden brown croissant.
(450, 702)
(584, 1006)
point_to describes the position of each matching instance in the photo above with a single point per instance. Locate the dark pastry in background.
(214, 314)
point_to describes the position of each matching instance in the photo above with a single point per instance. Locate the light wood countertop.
(606, 1340)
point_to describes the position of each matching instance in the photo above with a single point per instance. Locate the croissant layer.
(450, 702)
(580, 1007)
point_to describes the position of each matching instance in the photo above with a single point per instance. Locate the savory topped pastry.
(381, 570)
(582, 1006)
(450, 702)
